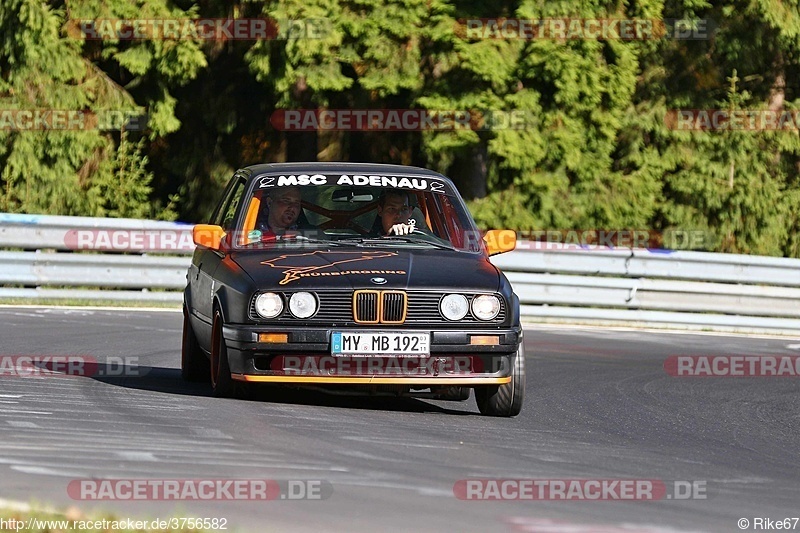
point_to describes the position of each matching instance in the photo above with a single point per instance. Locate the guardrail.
(693, 290)
(38, 268)
(40, 232)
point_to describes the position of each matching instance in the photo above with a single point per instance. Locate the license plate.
(350, 343)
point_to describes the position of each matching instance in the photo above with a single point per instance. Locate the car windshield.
(363, 211)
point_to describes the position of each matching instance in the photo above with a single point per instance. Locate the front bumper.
(306, 358)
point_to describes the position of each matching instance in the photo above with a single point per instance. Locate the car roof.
(343, 168)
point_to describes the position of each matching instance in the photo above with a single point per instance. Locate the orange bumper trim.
(372, 380)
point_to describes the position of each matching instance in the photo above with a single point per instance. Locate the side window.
(226, 213)
(216, 216)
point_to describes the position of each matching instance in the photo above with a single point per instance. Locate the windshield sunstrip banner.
(355, 180)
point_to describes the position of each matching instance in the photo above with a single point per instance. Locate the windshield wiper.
(418, 240)
(303, 238)
(404, 238)
(291, 239)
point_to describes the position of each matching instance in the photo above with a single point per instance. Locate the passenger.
(394, 214)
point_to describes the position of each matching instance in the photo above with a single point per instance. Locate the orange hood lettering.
(308, 264)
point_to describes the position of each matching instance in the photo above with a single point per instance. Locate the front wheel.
(194, 363)
(222, 385)
(505, 399)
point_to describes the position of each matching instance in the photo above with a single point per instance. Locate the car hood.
(368, 268)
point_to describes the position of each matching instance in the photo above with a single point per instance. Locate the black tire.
(222, 385)
(505, 399)
(194, 363)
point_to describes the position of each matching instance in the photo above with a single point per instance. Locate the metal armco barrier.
(40, 232)
(39, 268)
(93, 270)
(690, 290)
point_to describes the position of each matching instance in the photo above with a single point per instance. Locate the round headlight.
(454, 306)
(303, 304)
(269, 305)
(485, 306)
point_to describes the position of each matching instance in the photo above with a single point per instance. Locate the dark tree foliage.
(597, 149)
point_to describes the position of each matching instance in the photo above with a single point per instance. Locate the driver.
(394, 213)
(283, 206)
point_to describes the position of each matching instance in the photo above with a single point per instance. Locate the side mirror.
(208, 236)
(499, 241)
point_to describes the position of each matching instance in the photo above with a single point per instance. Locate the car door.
(205, 261)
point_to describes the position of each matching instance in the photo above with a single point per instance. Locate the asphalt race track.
(599, 406)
